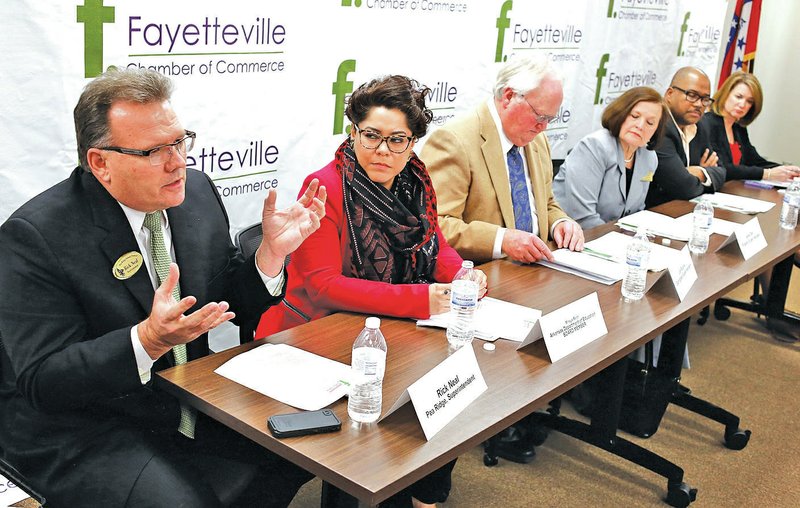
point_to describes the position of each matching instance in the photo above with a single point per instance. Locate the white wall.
(776, 132)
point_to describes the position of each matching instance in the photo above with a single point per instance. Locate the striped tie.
(161, 261)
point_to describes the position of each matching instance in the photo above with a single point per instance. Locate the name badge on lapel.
(127, 265)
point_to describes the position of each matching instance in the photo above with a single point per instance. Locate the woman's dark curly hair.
(392, 92)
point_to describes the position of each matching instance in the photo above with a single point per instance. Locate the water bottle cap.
(373, 322)
(467, 264)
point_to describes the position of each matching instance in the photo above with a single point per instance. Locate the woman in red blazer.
(379, 249)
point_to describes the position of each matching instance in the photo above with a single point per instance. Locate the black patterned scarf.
(391, 233)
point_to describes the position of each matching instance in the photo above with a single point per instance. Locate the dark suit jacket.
(751, 166)
(672, 180)
(70, 391)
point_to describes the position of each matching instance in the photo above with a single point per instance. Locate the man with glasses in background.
(686, 163)
(93, 303)
(493, 176)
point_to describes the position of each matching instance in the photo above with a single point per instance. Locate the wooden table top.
(372, 462)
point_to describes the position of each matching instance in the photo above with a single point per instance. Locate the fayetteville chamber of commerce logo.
(93, 14)
(700, 39)
(617, 81)
(503, 22)
(341, 88)
(249, 46)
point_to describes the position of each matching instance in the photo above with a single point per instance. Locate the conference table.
(374, 461)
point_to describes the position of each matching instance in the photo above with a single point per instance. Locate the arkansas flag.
(741, 48)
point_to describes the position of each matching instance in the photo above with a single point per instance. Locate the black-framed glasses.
(161, 153)
(539, 118)
(693, 96)
(371, 140)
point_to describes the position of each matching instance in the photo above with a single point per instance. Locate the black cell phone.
(303, 423)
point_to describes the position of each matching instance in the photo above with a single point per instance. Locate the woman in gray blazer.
(607, 175)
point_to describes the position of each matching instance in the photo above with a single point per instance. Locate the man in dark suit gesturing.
(93, 302)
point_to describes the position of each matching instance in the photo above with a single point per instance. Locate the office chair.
(247, 240)
(757, 303)
(557, 166)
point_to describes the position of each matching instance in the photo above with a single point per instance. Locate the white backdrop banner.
(264, 83)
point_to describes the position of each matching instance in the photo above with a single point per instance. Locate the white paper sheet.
(586, 265)
(719, 226)
(656, 224)
(614, 244)
(494, 319)
(735, 203)
(290, 375)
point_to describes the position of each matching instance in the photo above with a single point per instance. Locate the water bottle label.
(464, 294)
(369, 362)
(633, 260)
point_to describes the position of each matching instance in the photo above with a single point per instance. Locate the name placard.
(445, 391)
(572, 326)
(749, 238)
(680, 274)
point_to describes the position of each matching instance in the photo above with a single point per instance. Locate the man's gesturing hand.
(167, 326)
(284, 230)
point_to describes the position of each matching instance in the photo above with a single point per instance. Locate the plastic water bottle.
(463, 303)
(702, 218)
(637, 257)
(368, 365)
(791, 203)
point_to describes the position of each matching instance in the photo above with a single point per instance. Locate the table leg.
(602, 433)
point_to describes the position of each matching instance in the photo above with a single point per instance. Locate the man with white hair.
(493, 174)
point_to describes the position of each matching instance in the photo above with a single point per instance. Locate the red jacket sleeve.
(317, 266)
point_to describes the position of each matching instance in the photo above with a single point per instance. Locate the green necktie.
(161, 261)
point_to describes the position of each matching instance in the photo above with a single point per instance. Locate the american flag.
(740, 51)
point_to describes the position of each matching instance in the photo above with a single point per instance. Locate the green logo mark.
(601, 73)
(93, 14)
(503, 22)
(341, 87)
(611, 13)
(349, 3)
(684, 27)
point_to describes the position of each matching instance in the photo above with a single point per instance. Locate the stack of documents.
(290, 375)
(656, 224)
(612, 246)
(735, 203)
(495, 319)
(719, 226)
(596, 266)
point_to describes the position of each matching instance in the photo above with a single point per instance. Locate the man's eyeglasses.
(693, 96)
(371, 140)
(160, 154)
(539, 118)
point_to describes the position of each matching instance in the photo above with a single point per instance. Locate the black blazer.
(751, 166)
(672, 180)
(70, 390)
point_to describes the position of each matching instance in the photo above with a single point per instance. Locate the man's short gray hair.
(524, 73)
(143, 86)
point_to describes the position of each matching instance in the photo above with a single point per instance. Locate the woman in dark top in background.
(736, 104)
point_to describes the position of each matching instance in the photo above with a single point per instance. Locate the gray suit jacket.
(468, 169)
(590, 186)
